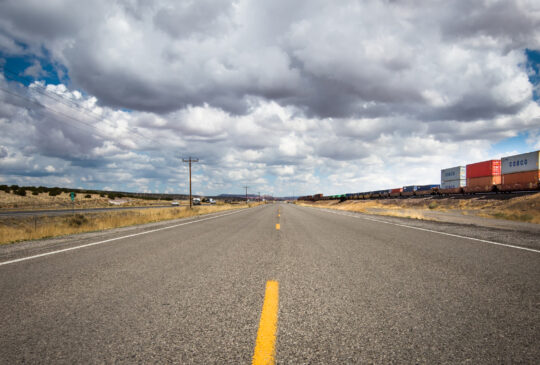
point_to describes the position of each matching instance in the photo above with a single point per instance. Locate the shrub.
(35, 192)
(88, 196)
(102, 195)
(20, 191)
(433, 205)
(54, 192)
(111, 196)
(77, 220)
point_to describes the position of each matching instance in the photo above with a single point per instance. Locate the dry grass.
(10, 201)
(29, 228)
(523, 208)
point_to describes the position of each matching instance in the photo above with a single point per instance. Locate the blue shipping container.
(410, 188)
(428, 187)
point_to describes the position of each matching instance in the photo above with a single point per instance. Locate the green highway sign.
(72, 196)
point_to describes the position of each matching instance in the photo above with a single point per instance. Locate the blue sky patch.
(533, 66)
(14, 69)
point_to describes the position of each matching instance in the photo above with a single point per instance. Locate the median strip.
(265, 349)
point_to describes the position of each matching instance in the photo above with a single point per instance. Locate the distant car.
(175, 204)
(196, 201)
(211, 201)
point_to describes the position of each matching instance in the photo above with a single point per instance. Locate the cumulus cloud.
(321, 95)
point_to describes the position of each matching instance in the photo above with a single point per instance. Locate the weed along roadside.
(519, 209)
(37, 227)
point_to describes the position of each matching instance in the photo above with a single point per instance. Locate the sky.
(286, 97)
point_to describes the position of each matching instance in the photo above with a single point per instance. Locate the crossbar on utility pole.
(190, 160)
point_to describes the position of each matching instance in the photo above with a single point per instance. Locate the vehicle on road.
(196, 201)
(175, 204)
(211, 201)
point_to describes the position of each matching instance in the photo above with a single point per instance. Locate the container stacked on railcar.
(521, 172)
(483, 177)
(453, 180)
(427, 189)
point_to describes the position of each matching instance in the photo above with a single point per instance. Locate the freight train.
(509, 174)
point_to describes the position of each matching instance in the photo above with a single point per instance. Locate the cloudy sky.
(287, 97)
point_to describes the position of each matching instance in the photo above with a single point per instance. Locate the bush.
(88, 196)
(20, 191)
(433, 205)
(54, 192)
(102, 195)
(77, 220)
(5, 188)
(111, 196)
(35, 192)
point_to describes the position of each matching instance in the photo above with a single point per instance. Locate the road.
(352, 289)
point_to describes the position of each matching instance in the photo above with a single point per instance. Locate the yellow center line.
(277, 226)
(265, 346)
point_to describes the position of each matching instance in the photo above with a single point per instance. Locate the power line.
(69, 103)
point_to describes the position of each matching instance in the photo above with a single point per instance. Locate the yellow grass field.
(523, 208)
(10, 201)
(29, 228)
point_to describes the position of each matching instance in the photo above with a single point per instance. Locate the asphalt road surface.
(352, 289)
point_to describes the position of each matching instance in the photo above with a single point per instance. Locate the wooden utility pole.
(246, 187)
(190, 160)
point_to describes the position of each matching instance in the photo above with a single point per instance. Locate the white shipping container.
(453, 173)
(453, 184)
(520, 163)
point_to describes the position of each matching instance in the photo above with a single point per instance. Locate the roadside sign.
(72, 196)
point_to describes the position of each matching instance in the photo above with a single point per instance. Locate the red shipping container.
(482, 169)
(528, 180)
(397, 190)
(482, 184)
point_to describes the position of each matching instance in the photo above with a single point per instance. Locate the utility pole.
(259, 196)
(190, 160)
(246, 187)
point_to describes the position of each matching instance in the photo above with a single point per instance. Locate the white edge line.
(430, 230)
(115, 239)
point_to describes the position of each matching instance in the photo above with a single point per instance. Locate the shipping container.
(527, 180)
(485, 168)
(453, 184)
(396, 190)
(427, 187)
(483, 184)
(520, 163)
(453, 173)
(410, 188)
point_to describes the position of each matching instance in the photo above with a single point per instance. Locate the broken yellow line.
(277, 226)
(265, 346)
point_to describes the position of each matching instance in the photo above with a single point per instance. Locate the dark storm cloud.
(339, 61)
(498, 19)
